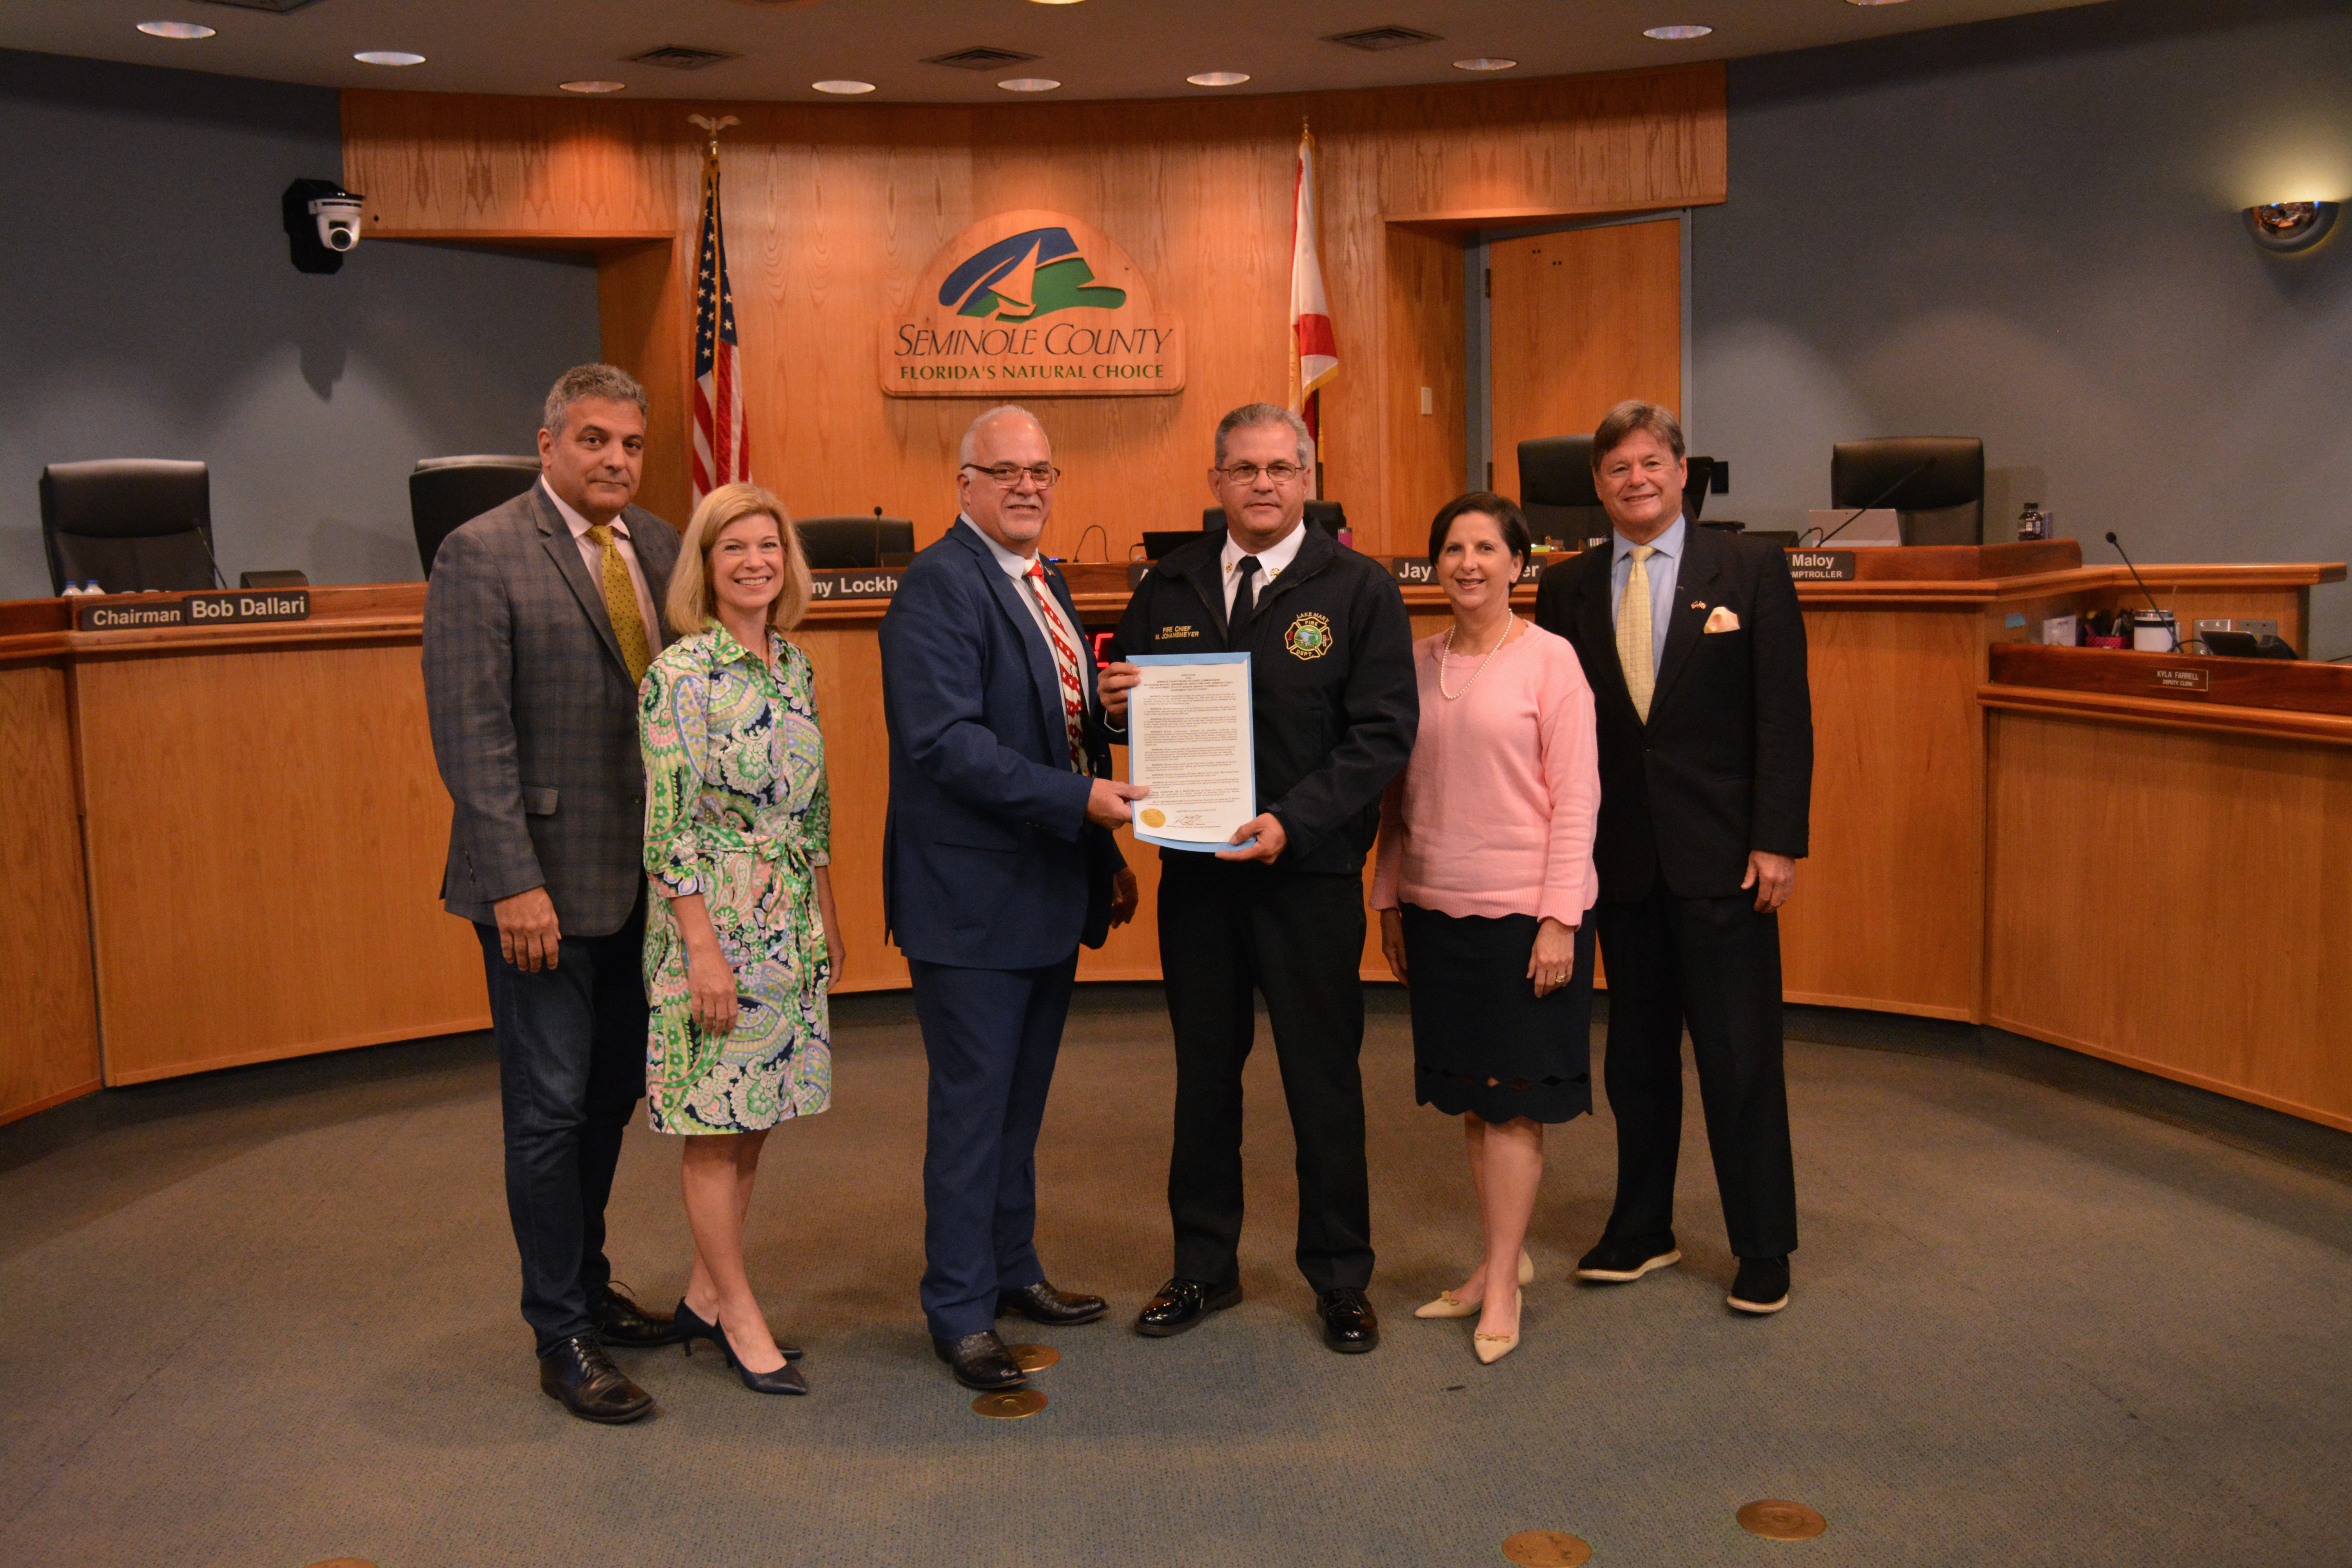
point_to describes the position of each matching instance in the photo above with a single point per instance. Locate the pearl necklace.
(1445, 654)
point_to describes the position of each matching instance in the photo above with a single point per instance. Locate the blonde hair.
(690, 606)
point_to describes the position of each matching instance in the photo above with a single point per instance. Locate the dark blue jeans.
(991, 1036)
(572, 1068)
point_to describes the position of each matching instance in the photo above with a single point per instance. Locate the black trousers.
(1714, 964)
(572, 1068)
(1226, 930)
(991, 1037)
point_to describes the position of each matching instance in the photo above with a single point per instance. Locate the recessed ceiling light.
(592, 86)
(175, 29)
(1680, 30)
(1055, 1)
(1874, 2)
(843, 85)
(1219, 79)
(388, 58)
(1485, 63)
(1029, 84)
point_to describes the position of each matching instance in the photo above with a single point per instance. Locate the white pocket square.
(1722, 619)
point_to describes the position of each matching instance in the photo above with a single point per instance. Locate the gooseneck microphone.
(220, 578)
(1924, 466)
(2152, 605)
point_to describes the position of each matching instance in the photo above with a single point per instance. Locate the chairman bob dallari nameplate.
(229, 607)
(1031, 304)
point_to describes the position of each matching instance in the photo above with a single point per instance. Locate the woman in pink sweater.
(1485, 872)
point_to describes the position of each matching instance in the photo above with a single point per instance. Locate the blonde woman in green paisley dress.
(741, 944)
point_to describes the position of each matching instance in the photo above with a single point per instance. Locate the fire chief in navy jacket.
(997, 864)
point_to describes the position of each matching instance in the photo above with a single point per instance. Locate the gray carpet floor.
(267, 1318)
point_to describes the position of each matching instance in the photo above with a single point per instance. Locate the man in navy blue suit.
(997, 864)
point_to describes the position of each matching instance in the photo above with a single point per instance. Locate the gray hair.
(1250, 416)
(1001, 411)
(607, 381)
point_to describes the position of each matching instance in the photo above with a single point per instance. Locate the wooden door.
(1577, 323)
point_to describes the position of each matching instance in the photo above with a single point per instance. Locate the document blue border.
(1141, 834)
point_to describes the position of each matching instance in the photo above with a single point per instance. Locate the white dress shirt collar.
(1012, 563)
(1273, 559)
(578, 524)
(1668, 543)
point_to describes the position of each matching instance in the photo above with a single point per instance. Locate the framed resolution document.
(1189, 738)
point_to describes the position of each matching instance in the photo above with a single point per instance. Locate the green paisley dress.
(736, 810)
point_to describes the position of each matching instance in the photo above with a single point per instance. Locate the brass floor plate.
(1547, 1549)
(1010, 1406)
(1777, 1519)
(1033, 1358)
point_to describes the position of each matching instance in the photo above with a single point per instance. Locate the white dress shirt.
(595, 560)
(1034, 593)
(1272, 561)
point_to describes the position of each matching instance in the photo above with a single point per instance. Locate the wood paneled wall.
(834, 209)
(48, 1029)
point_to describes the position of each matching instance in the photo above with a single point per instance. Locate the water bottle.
(2032, 524)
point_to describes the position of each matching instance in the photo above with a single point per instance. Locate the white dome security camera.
(339, 221)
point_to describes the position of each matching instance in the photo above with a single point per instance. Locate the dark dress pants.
(1714, 964)
(991, 1036)
(1227, 929)
(572, 1068)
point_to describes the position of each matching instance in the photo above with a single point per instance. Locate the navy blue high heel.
(785, 1379)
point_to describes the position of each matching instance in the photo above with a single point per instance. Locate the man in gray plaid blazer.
(539, 622)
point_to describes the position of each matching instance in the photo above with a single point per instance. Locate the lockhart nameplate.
(830, 587)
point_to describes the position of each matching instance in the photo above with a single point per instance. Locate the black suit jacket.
(1725, 765)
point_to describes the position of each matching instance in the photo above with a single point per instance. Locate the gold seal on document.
(1009, 1405)
(1775, 1520)
(1154, 817)
(1309, 636)
(1547, 1549)
(1033, 1358)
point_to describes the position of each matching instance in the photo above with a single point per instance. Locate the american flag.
(720, 438)
(1314, 350)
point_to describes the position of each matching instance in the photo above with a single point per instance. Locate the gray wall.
(2027, 230)
(148, 308)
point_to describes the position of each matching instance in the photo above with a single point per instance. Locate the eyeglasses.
(1008, 475)
(1245, 474)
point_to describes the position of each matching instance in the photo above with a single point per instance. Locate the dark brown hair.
(1502, 508)
(1621, 422)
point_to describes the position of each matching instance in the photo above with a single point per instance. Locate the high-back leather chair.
(446, 493)
(843, 542)
(128, 524)
(1935, 484)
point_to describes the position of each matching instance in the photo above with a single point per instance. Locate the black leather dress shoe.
(1182, 1304)
(1350, 1324)
(580, 1375)
(621, 1322)
(1041, 1303)
(981, 1360)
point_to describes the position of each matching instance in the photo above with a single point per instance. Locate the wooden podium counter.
(230, 837)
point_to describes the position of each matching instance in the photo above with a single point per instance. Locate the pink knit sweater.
(1494, 814)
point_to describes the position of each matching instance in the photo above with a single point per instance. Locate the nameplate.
(833, 585)
(2185, 679)
(1418, 572)
(1822, 565)
(248, 608)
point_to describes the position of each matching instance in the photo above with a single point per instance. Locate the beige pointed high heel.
(1492, 1348)
(1449, 1305)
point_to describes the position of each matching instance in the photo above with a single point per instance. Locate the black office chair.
(128, 524)
(1330, 516)
(1934, 483)
(446, 493)
(851, 542)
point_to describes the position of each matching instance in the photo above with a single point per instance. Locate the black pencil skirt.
(1483, 1041)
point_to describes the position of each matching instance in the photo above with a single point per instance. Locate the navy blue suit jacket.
(988, 860)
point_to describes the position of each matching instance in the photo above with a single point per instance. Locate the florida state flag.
(1314, 352)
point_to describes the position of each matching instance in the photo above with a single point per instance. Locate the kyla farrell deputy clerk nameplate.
(1190, 739)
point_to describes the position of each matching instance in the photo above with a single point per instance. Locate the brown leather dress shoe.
(1041, 1303)
(577, 1374)
(621, 1322)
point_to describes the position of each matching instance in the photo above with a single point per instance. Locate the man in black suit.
(1694, 647)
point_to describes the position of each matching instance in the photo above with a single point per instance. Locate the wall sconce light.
(2287, 226)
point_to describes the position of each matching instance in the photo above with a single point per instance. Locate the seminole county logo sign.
(1034, 304)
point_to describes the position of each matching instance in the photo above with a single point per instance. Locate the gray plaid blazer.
(535, 717)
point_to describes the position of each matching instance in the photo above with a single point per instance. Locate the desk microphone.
(217, 576)
(1882, 495)
(2152, 605)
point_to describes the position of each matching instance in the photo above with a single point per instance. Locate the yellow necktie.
(621, 603)
(1634, 652)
